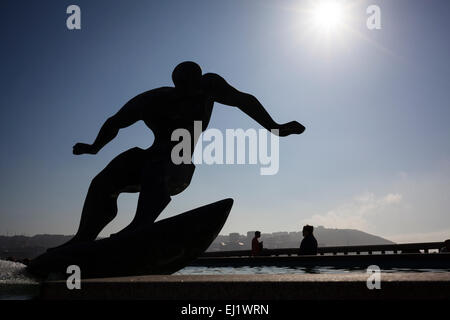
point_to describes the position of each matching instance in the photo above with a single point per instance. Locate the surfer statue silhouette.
(152, 172)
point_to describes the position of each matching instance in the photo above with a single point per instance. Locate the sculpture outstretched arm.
(224, 93)
(130, 113)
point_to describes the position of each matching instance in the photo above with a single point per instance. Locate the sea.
(17, 284)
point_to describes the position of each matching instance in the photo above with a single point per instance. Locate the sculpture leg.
(100, 205)
(153, 198)
(99, 209)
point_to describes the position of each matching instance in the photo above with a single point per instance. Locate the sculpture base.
(163, 247)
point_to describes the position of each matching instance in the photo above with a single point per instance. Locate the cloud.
(391, 198)
(357, 213)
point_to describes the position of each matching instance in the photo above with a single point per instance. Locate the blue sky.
(375, 155)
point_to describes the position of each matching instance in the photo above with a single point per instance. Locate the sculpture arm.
(130, 113)
(224, 93)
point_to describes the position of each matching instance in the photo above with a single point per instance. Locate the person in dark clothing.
(309, 242)
(257, 246)
(446, 247)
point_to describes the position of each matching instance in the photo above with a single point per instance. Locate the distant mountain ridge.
(276, 240)
(29, 247)
(347, 237)
(40, 240)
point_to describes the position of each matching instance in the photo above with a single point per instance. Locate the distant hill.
(347, 237)
(40, 240)
(325, 237)
(29, 247)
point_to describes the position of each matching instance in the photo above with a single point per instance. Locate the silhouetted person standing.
(308, 245)
(257, 246)
(152, 172)
(446, 247)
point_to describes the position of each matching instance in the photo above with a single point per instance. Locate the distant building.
(233, 237)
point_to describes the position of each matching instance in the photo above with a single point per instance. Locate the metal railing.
(424, 247)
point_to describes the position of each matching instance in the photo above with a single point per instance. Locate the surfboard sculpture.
(163, 247)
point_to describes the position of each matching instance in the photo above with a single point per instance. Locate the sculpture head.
(187, 76)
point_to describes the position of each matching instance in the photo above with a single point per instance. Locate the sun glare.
(328, 16)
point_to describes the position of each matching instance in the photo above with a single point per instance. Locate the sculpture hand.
(289, 128)
(83, 148)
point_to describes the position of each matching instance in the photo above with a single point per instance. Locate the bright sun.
(328, 16)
